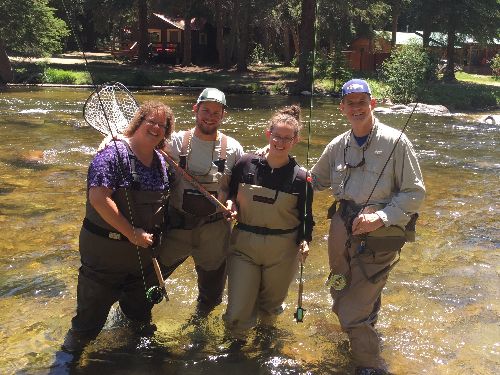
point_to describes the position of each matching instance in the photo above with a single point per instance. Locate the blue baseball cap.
(356, 85)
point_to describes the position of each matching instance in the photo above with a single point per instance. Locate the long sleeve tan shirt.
(400, 190)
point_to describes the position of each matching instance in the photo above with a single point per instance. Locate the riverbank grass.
(471, 92)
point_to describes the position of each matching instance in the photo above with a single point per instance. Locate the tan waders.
(196, 225)
(358, 303)
(263, 259)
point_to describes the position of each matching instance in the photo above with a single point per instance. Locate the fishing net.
(110, 108)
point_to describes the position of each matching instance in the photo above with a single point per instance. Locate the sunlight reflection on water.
(440, 308)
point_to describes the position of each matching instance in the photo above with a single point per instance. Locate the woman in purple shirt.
(127, 191)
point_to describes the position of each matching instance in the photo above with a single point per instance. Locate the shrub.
(340, 70)
(59, 76)
(405, 72)
(29, 72)
(495, 66)
(260, 56)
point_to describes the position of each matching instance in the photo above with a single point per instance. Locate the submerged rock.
(429, 109)
(491, 120)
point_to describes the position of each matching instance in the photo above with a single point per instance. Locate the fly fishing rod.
(300, 311)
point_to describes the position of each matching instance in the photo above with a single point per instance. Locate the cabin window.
(173, 36)
(154, 35)
(202, 39)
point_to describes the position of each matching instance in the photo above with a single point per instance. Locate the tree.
(396, 7)
(306, 43)
(457, 19)
(405, 72)
(28, 27)
(142, 16)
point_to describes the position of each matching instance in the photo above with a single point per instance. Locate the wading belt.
(100, 231)
(263, 230)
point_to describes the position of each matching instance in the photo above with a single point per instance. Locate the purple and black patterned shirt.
(104, 170)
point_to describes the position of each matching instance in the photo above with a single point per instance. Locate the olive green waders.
(110, 269)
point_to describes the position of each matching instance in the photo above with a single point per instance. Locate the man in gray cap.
(374, 203)
(197, 226)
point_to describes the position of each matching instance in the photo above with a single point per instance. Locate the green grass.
(471, 92)
(462, 96)
(66, 76)
(476, 78)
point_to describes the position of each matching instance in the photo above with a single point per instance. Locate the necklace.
(211, 161)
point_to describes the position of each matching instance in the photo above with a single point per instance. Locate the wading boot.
(75, 342)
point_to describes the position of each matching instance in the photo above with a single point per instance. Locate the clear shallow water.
(440, 310)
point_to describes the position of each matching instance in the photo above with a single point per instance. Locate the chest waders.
(266, 211)
(263, 258)
(146, 209)
(190, 208)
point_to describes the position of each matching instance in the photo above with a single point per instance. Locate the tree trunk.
(426, 36)
(449, 73)
(234, 36)
(186, 60)
(286, 45)
(89, 42)
(242, 62)
(296, 41)
(6, 73)
(396, 11)
(142, 8)
(306, 34)
(220, 33)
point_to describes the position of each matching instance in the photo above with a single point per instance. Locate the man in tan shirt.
(351, 165)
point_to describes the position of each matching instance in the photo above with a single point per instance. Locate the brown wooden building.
(166, 37)
(367, 54)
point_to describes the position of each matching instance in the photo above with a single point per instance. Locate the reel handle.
(155, 294)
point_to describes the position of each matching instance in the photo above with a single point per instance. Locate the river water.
(440, 311)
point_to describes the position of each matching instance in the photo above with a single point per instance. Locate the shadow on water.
(35, 165)
(117, 351)
(24, 210)
(43, 285)
(7, 189)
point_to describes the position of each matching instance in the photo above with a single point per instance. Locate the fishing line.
(389, 157)
(299, 313)
(120, 160)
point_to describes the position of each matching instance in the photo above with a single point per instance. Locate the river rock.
(429, 109)
(491, 120)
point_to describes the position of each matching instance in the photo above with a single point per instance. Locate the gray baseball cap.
(211, 94)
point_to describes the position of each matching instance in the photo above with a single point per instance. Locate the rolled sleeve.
(410, 186)
(320, 172)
